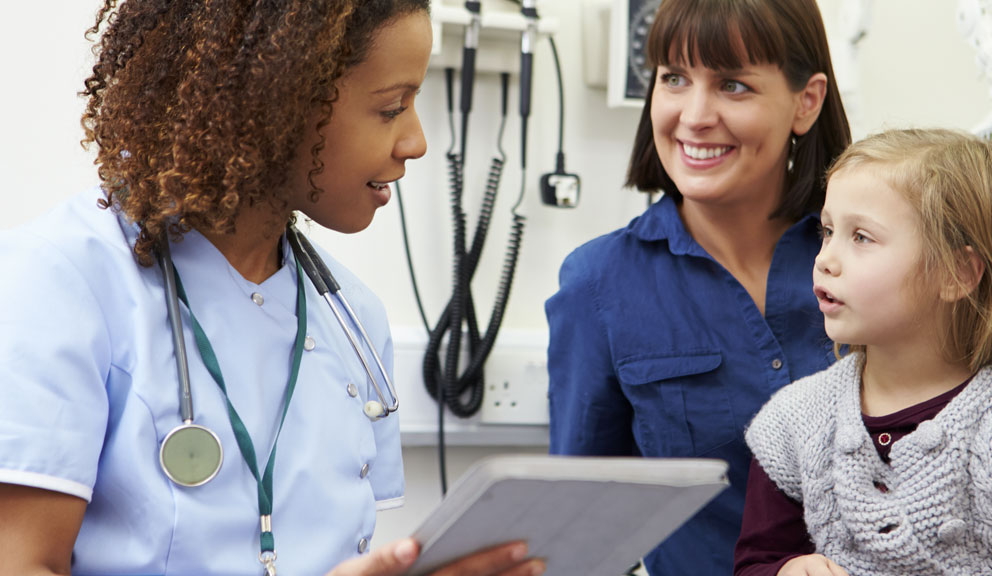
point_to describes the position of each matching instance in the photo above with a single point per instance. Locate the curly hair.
(197, 107)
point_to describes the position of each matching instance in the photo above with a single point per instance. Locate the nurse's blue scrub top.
(90, 388)
(656, 350)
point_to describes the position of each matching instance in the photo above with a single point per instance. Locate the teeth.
(704, 153)
(379, 184)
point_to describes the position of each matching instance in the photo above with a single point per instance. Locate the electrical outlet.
(516, 387)
(522, 351)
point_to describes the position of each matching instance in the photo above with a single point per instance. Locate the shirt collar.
(662, 221)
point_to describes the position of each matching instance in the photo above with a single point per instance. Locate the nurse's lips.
(380, 191)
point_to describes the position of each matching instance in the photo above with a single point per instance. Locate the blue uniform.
(656, 350)
(89, 389)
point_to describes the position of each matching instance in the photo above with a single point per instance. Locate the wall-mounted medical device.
(629, 76)
(472, 39)
(499, 37)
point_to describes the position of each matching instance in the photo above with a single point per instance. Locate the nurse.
(669, 334)
(214, 123)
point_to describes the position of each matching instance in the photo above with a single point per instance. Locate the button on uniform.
(352, 389)
(365, 470)
(257, 298)
(309, 343)
(363, 545)
(776, 364)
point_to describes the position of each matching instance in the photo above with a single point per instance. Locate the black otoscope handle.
(527, 42)
(526, 72)
(468, 79)
(504, 79)
(449, 74)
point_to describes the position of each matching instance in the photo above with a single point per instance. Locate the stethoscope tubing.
(178, 341)
(326, 285)
(375, 355)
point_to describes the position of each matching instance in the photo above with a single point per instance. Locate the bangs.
(717, 34)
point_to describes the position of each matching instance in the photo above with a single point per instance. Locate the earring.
(791, 163)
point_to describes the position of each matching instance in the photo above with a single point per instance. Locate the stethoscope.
(192, 454)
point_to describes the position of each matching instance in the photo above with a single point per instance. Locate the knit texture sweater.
(936, 515)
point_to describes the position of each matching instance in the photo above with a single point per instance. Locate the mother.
(668, 335)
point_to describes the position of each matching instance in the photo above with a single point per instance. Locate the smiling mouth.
(377, 185)
(704, 152)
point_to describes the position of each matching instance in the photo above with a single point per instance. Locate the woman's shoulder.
(76, 234)
(623, 247)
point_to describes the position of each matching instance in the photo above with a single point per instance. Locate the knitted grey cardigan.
(936, 517)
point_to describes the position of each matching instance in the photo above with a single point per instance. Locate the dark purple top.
(773, 530)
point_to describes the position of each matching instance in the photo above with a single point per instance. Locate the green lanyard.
(267, 554)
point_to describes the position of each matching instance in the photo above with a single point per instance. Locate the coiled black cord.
(446, 386)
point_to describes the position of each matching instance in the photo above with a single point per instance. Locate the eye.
(824, 231)
(860, 238)
(392, 114)
(673, 80)
(734, 87)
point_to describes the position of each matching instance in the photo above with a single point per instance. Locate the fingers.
(836, 570)
(505, 560)
(811, 565)
(392, 559)
(395, 558)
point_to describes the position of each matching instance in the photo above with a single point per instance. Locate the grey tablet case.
(583, 515)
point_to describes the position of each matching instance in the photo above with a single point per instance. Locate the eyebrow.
(719, 71)
(405, 86)
(858, 220)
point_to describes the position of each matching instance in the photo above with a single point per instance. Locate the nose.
(698, 111)
(411, 143)
(826, 262)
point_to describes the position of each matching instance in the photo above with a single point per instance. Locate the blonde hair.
(946, 175)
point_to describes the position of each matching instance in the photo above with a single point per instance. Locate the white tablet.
(582, 515)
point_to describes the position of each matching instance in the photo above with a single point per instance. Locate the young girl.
(882, 464)
(214, 123)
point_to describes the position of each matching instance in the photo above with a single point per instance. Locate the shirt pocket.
(681, 408)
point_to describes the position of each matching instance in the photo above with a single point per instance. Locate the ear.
(970, 272)
(809, 102)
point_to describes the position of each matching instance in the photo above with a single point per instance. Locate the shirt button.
(363, 545)
(309, 343)
(352, 389)
(257, 298)
(776, 364)
(365, 470)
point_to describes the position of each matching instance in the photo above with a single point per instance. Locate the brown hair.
(946, 175)
(788, 33)
(197, 108)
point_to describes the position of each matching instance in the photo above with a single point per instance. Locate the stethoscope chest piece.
(191, 455)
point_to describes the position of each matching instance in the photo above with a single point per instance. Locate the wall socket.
(514, 408)
(516, 386)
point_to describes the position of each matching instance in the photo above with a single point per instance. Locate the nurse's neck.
(253, 249)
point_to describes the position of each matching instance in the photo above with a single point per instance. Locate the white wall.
(915, 69)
